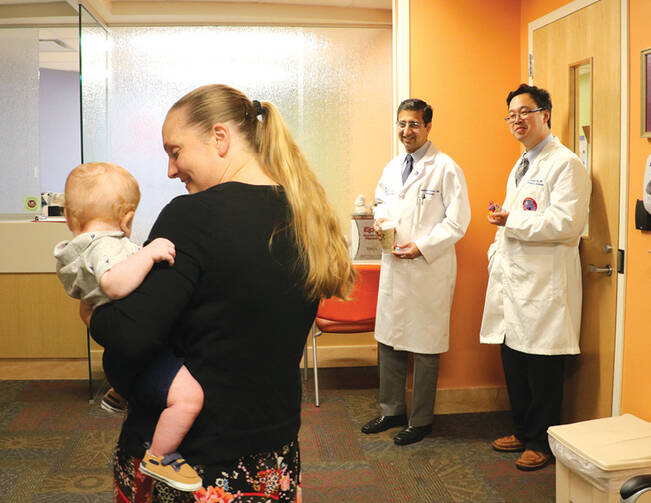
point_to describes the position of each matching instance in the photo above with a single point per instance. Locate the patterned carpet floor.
(55, 447)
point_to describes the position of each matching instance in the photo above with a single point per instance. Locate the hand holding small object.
(409, 250)
(493, 208)
(498, 218)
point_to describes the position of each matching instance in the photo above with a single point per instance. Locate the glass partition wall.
(94, 75)
(39, 105)
(19, 128)
(332, 85)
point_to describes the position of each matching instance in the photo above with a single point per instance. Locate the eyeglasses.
(412, 125)
(523, 114)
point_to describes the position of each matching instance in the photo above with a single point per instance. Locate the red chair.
(346, 317)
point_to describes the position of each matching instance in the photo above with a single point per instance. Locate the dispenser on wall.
(647, 185)
(643, 207)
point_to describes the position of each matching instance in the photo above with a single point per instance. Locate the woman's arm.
(140, 324)
(85, 312)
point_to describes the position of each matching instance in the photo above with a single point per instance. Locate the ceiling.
(59, 47)
(360, 4)
(22, 2)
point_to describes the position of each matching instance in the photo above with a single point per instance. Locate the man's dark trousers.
(535, 386)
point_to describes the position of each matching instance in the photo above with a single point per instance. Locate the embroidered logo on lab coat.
(529, 204)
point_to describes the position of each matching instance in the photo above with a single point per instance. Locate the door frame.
(549, 18)
(401, 59)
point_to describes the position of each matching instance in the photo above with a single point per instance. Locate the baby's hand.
(161, 249)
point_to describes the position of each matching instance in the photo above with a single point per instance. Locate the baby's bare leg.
(184, 402)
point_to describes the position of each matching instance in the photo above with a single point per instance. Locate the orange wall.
(464, 60)
(637, 340)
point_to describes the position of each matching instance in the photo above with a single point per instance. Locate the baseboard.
(343, 356)
(476, 399)
(13, 369)
(448, 401)
(77, 368)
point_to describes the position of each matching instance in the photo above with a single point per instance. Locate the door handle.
(607, 269)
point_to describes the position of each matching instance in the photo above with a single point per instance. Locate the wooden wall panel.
(38, 319)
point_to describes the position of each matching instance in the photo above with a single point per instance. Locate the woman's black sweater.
(233, 307)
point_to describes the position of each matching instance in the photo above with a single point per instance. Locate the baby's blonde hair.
(99, 191)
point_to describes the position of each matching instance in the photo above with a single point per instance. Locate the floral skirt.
(257, 478)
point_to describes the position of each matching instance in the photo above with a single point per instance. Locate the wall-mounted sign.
(645, 100)
(32, 203)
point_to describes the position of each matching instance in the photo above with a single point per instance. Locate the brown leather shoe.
(508, 444)
(533, 460)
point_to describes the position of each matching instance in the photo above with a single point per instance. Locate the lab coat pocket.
(430, 206)
(529, 277)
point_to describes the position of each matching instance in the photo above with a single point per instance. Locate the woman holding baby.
(257, 246)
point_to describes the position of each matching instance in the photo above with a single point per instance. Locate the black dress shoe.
(383, 423)
(412, 434)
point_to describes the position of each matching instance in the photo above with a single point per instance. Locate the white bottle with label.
(364, 243)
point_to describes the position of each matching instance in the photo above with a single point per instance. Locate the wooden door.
(589, 36)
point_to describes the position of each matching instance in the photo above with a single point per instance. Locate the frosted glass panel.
(94, 88)
(60, 136)
(332, 85)
(19, 155)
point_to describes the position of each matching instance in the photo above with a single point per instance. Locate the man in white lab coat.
(424, 193)
(533, 298)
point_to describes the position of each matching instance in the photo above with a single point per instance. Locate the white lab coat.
(533, 298)
(432, 209)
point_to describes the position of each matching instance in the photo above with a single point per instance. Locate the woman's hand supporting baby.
(124, 277)
(85, 312)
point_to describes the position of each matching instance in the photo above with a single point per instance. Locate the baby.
(100, 265)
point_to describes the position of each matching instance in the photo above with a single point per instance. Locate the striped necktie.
(409, 165)
(522, 169)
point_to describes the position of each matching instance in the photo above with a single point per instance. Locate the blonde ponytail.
(322, 247)
(321, 243)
